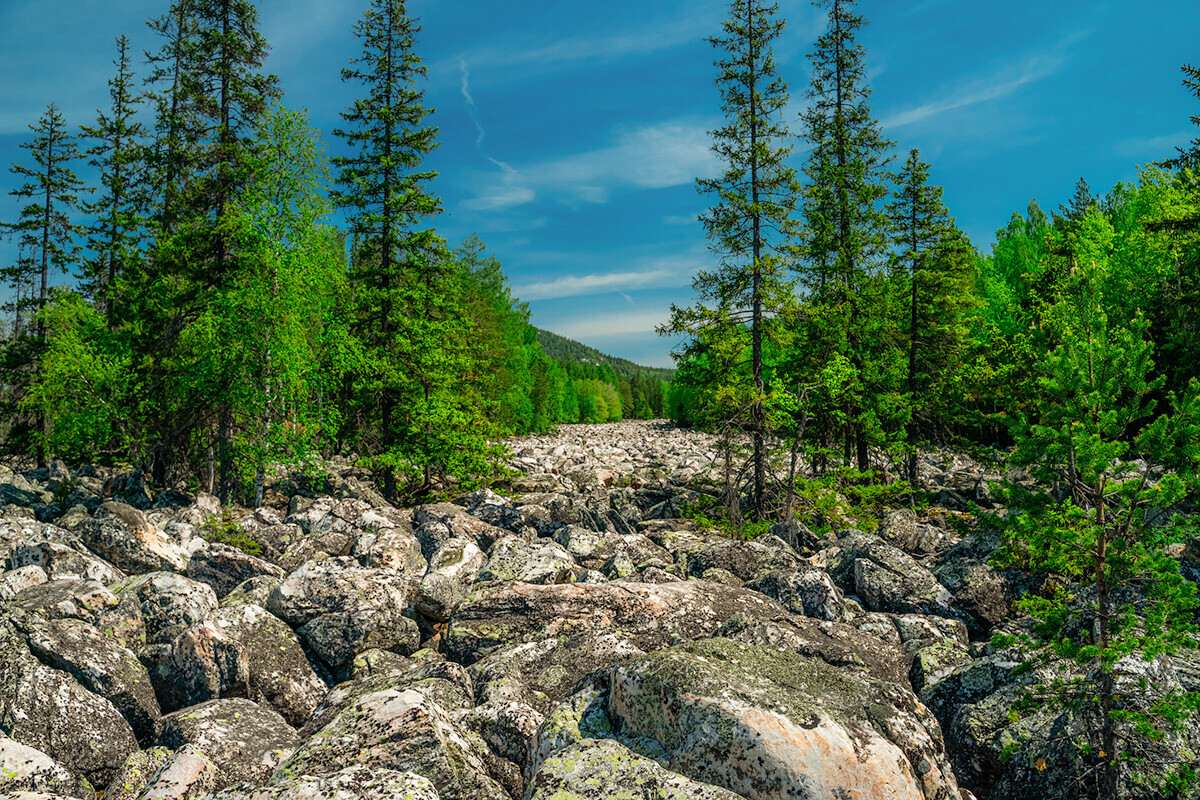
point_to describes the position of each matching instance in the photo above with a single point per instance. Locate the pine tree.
(934, 256)
(46, 231)
(749, 226)
(407, 285)
(174, 134)
(845, 225)
(1189, 157)
(119, 155)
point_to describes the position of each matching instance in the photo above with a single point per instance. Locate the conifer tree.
(173, 135)
(749, 225)
(407, 284)
(46, 231)
(845, 224)
(1190, 156)
(934, 256)
(118, 153)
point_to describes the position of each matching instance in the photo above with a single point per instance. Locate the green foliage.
(1113, 592)
(223, 528)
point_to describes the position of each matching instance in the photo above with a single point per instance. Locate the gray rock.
(136, 773)
(245, 741)
(540, 561)
(202, 663)
(101, 666)
(352, 783)
(185, 774)
(341, 608)
(278, 671)
(119, 618)
(401, 730)
(48, 710)
(26, 769)
(599, 769)
(14, 581)
(59, 561)
(224, 568)
(766, 723)
(123, 536)
(169, 603)
(254, 591)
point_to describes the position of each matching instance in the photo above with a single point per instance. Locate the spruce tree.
(118, 153)
(46, 232)
(934, 257)
(845, 224)
(420, 373)
(1188, 157)
(749, 225)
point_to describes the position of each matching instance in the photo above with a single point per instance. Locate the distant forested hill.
(568, 350)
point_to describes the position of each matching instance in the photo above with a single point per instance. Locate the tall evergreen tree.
(46, 230)
(749, 226)
(173, 134)
(934, 257)
(118, 153)
(404, 279)
(845, 224)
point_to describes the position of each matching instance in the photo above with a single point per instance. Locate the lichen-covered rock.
(809, 592)
(902, 529)
(743, 559)
(101, 666)
(121, 535)
(278, 671)
(26, 769)
(647, 615)
(254, 591)
(202, 663)
(602, 769)
(49, 710)
(591, 549)
(401, 730)
(245, 741)
(119, 618)
(185, 774)
(985, 595)
(509, 729)
(444, 682)
(438, 523)
(170, 603)
(60, 561)
(835, 643)
(540, 561)
(393, 547)
(14, 581)
(224, 568)
(341, 608)
(352, 783)
(136, 773)
(438, 596)
(886, 578)
(935, 661)
(766, 723)
(458, 559)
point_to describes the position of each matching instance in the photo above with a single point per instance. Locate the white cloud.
(1153, 148)
(613, 325)
(651, 157)
(640, 273)
(1000, 83)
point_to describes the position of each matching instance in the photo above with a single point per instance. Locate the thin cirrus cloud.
(579, 285)
(650, 157)
(993, 86)
(638, 323)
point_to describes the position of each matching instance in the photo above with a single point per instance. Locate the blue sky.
(571, 133)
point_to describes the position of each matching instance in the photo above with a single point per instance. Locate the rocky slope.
(572, 639)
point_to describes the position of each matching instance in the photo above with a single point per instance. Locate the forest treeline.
(848, 316)
(219, 320)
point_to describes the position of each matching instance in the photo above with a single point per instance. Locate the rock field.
(572, 638)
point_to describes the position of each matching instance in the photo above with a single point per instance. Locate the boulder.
(766, 723)
(357, 782)
(99, 664)
(401, 730)
(602, 769)
(123, 536)
(26, 769)
(809, 592)
(245, 741)
(60, 561)
(185, 774)
(224, 568)
(170, 603)
(136, 773)
(743, 559)
(538, 561)
(119, 618)
(15, 581)
(47, 709)
(279, 673)
(202, 663)
(341, 608)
